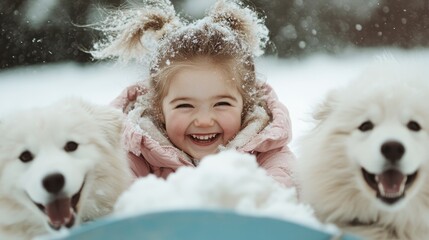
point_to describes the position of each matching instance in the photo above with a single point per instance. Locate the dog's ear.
(324, 109)
(111, 122)
(107, 117)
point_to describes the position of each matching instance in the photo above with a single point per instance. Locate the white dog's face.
(391, 145)
(383, 130)
(45, 157)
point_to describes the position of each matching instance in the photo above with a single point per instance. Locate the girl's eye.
(184, 105)
(222, 104)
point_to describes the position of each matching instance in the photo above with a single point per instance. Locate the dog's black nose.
(392, 150)
(53, 183)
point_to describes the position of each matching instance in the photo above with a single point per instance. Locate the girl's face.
(202, 109)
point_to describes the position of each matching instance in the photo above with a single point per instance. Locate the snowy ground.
(300, 84)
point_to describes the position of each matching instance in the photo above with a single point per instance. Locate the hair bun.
(244, 21)
(132, 33)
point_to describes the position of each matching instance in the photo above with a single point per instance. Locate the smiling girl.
(202, 95)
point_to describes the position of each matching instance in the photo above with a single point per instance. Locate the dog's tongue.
(59, 212)
(391, 183)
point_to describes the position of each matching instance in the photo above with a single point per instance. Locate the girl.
(202, 94)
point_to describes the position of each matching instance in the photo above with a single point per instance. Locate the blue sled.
(197, 225)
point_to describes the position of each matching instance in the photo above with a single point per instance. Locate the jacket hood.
(277, 132)
(263, 130)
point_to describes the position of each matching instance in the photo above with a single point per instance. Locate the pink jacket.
(264, 135)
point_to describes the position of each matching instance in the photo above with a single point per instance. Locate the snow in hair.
(143, 33)
(133, 33)
(244, 21)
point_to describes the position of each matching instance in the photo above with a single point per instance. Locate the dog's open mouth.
(390, 185)
(61, 211)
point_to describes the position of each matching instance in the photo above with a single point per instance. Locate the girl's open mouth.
(204, 139)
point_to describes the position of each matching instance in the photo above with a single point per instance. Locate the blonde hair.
(230, 36)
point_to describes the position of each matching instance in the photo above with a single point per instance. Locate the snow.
(299, 83)
(359, 9)
(123, 37)
(40, 85)
(228, 180)
(197, 8)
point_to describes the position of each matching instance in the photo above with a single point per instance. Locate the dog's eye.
(366, 126)
(26, 156)
(413, 126)
(71, 146)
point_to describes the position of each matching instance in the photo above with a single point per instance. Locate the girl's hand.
(133, 92)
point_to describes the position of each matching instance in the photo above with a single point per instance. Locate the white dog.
(59, 165)
(365, 165)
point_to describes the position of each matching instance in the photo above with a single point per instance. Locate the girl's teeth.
(205, 137)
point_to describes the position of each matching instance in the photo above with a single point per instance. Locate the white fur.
(332, 155)
(99, 164)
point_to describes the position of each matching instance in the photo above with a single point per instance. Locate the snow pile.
(228, 180)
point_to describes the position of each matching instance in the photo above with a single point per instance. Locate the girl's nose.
(204, 120)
